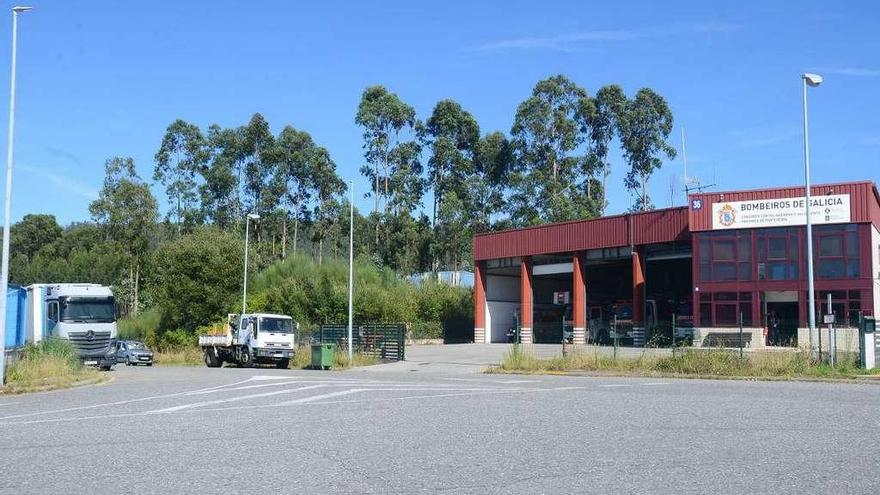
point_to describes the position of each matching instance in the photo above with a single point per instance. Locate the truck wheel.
(283, 364)
(246, 360)
(106, 368)
(211, 360)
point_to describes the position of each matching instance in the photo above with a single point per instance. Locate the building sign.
(782, 212)
(561, 297)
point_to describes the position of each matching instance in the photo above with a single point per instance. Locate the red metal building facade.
(733, 269)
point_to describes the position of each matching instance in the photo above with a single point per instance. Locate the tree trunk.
(644, 193)
(376, 187)
(179, 216)
(137, 276)
(295, 232)
(284, 236)
(321, 250)
(604, 181)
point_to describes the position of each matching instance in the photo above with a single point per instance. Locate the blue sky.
(104, 78)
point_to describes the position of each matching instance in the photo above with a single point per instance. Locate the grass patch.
(48, 365)
(685, 362)
(302, 359)
(179, 356)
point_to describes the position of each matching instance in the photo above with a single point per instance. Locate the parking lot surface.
(435, 427)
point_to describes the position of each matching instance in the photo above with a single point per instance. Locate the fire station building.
(727, 259)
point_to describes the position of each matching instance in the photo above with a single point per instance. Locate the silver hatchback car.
(133, 353)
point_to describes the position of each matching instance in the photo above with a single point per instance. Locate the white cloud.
(761, 136)
(571, 41)
(61, 181)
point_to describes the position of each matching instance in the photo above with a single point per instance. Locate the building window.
(846, 306)
(725, 256)
(837, 251)
(778, 254)
(723, 309)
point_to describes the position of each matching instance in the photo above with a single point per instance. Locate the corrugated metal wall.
(863, 201)
(15, 313)
(649, 227)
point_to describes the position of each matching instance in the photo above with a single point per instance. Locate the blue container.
(16, 299)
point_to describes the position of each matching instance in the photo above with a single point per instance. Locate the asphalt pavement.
(435, 424)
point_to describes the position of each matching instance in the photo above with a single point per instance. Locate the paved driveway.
(437, 428)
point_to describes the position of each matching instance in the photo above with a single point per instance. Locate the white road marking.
(491, 381)
(231, 399)
(308, 401)
(118, 403)
(651, 384)
(322, 396)
(615, 385)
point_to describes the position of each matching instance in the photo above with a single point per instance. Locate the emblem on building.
(727, 216)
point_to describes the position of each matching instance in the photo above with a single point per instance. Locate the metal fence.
(384, 341)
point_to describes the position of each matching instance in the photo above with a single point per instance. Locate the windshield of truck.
(276, 325)
(88, 310)
(136, 345)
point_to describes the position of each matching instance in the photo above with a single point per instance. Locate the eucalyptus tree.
(127, 212)
(610, 104)
(257, 150)
(327, 187)
(451, 134)
(389, 128)
(180, 160)
(486, 199)
(644, 129)
(295, 156)
(220, 191)
(548, 128)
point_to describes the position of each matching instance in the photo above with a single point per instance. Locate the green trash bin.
(322, 356)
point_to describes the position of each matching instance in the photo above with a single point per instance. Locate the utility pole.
(4, 271)
(251, 216)
(811, 80)
(350, 267)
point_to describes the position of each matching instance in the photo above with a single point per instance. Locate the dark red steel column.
(525, 300)
(579, 299)
(481, 335)
(638, 286)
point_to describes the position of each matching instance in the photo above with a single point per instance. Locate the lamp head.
(253, 216)
(812, 80)
(19, 10)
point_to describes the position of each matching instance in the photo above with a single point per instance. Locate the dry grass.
(179, 356)
(49, 365)
(302, 359)
(685, 362)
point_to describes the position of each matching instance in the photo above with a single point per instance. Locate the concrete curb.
(101, 380)
(861, 379)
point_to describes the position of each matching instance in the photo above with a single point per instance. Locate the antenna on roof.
(691, 184)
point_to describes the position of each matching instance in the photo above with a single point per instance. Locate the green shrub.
(427, 330)
(197, 277)
(51, 363)
(177, 339)
(144, 327)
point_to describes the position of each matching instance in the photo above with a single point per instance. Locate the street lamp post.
(811, 80)
(247, 223)
(4, 271)
(350, 266)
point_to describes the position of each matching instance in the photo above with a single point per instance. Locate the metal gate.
(384, 341)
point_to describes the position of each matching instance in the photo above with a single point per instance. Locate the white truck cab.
(249, 339)
(84, 314)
